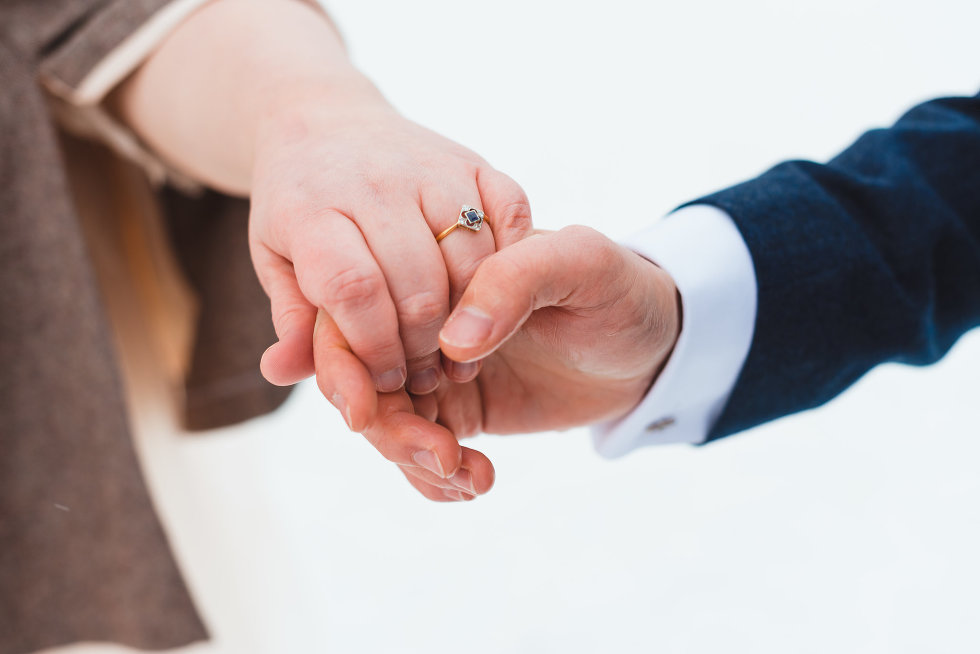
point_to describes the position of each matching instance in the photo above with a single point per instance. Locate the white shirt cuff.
(703, 251)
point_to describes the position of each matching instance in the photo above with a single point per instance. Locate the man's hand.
(569, 329)
(558, 330)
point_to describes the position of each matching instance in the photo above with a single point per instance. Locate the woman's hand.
(259, 99)
(347, 197)
(558, 330)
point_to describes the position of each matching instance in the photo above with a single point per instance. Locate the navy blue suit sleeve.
(870, 258)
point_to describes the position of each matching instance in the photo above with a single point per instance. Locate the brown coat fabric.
(82, 554)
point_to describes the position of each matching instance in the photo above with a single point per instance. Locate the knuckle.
(287, 317)
(509, 212)
(606, 256)
(354, 289)
(379, 355)
(579, 233)
(287, 208)
(469, 427)
(376, 186)
(388, 445)
(423, 309)
(601, 251)
(516, 212)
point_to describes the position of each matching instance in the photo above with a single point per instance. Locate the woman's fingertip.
(462, 372)
(270, 366)
(264, 364)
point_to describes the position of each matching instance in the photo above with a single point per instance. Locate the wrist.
(662, 321)
(672, 320)
(201, 99)
(653, 315)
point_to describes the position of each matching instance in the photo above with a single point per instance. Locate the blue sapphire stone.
(472, 218)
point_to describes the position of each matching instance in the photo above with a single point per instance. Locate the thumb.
(542, 270)
(291, 359)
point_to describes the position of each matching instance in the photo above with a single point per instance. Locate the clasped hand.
(552, 331)
(549, 331)
(566, 328)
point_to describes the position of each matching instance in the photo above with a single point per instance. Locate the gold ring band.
(446, 232)
(470, 218)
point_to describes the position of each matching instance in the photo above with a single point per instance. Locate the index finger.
(387, 420)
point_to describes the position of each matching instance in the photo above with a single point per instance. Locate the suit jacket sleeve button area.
(660, 425)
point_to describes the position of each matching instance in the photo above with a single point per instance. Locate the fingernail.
(423, 382)
(391, 381)
(463, 479)
(463, 372)
(338, 401)
(467, 327)
(428, 460)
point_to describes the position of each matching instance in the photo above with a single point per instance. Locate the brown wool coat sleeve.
(102, 569)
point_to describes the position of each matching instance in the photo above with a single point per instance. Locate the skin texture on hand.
(558, 330)
(258, 98)
(576, 328)
(345, 205)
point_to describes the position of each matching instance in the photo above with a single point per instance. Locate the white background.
(854, 528)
